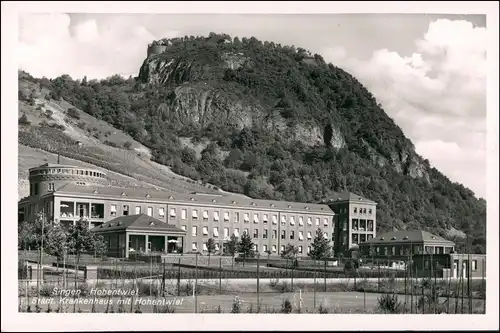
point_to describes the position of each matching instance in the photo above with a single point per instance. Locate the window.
(217, 247)
(113, 210)
(264, 234)
(226, 232)
(172, 213)
(265, 218)
(292, 234)
(393, 250)
(308, 249)
(355, 210)
(301, 235)
(216, 232)
(205, 247)
(292, 220)
(161, 212)
(370, 225)
(301, 220)
(137, 210)
(325, 235)
(264, 248)
(283, 234)
(369, 211)
(255, 218)
(300, 249)
(216, 216)
(205, 231)
(184, 227)
(150, 211)
(309, 236)
(255, 233)
(282, 248)
(474, 265)
(205, 215)
(275, 219)
(125, 209)
(194, 230)
(194, 246)
(317, 221)
(378, 250)
(309, 221)
(194, 214)
(183, 214)
(325, 222)
(275, 234)
(364, 210)
(226, 216)
(246, 218)
(254, 247)
(274, 248)
(51, 186)
(245, 231)
(283, 220)
(236, 217)
(236, 232)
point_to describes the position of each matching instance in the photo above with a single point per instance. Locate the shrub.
(236, 307)
(322, 309)
(389, 303)
(127, 145)
(49, 114)
(286, 306)
(73, 113)
(23, 120)
(111, 144)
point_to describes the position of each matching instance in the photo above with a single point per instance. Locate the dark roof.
(347, 196)
(203, 198)
(140, 221)
(416, 236)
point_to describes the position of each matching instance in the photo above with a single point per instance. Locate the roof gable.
(140, 221)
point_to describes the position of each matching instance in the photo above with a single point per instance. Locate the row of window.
(417, 249)
(69, 172)
(194, 247)
(236, 232)
(361, 210)
(216, 216)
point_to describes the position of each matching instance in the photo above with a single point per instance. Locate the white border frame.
(14, 321)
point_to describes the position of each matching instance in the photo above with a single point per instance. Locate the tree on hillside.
(290, 253)
(245, 247)
(210, 248)
(320, 248)
(232, 247)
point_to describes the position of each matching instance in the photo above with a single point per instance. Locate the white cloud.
(437, 95)
(51, 45)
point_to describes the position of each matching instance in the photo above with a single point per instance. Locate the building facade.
(355, 220)
(64, 194)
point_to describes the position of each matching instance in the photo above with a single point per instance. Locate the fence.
(219, 284)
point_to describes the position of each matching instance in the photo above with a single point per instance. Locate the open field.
(334, 302)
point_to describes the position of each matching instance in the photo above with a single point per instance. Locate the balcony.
(67, 209)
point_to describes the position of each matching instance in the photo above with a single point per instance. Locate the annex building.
(66, 194)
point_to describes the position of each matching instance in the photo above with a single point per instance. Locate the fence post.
(314, 286)
(258, 282)
(293, 267)
(196, 286)
(179, 278)
(324, 278)
(220, 276)
(85, 273)
(378, 277)
(483, 284)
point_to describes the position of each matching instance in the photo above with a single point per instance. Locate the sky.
(427, 71)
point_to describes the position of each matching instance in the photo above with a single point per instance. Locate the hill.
(277, 122)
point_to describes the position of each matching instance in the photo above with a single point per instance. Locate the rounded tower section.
(48, 177)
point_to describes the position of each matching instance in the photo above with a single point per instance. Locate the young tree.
(55, 244)
(232, 247)
(210, 248)
(81, 239)
(320, 248)
(246, 247)
(290, 252)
